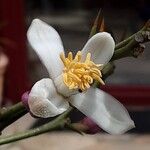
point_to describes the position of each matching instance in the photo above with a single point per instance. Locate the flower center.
(78, 74)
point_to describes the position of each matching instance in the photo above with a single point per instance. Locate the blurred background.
(130, 82)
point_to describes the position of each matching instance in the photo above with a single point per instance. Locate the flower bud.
(92, 126)
(24, 99)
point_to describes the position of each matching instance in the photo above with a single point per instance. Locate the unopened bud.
(92, 127)
(24, 99)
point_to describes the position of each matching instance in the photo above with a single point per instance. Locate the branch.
(12, 119)
(125, 51)
(11, 114)
(126, 41)
(7, 112)
(130, 47)
(127, 48)
(57, 123)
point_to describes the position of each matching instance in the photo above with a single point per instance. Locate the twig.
(12, 119)
(126, 41)
(11, 114)
(7, 112)
(125, 51)
(57, 123)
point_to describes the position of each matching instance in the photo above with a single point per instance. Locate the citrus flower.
(71, 79)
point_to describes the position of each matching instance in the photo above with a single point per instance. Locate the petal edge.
(47, 43)
(105, 110)
(44, 101)
(101, 46)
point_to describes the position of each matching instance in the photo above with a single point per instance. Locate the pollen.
(79, 74)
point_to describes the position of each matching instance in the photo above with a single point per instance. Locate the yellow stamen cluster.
(80, 75)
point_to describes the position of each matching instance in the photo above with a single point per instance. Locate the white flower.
(51, 96)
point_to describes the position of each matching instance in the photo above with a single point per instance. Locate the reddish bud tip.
(92, 126)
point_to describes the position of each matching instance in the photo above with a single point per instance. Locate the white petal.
(44, 101)
(105, 110)
(101, 46)
(47, 43)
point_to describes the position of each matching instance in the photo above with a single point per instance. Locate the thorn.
(97, 17)
(95, 25)
(102, 25)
